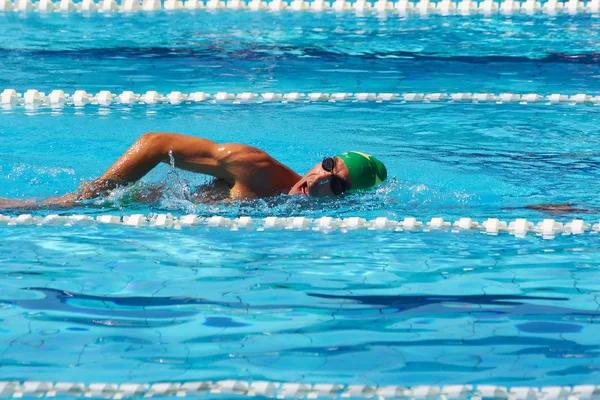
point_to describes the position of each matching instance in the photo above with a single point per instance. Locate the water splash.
(28, 171)
(176, 194)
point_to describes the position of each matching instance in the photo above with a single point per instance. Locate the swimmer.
(240, 171)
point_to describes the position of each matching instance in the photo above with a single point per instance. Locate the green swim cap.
(365, 170)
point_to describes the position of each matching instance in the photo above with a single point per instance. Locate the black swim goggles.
(337, 184)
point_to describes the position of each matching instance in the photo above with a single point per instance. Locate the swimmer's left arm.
(187, 152)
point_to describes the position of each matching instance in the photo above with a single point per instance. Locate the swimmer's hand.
(97, 188)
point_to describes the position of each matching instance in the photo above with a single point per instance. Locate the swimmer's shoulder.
(257, 173)
(247, 158)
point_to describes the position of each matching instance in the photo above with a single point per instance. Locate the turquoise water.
(290, 51)
(448, 160)
(144, 305)
(137, 305)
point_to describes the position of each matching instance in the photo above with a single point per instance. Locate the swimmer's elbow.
(159, 146)
(155, 145)
(151, 139)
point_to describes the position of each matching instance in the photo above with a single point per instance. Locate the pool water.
(120, 304)
(310, 52)
(141, 305)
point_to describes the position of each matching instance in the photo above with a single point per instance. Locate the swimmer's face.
(330, 177)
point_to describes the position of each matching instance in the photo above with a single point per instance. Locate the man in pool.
(240, 171)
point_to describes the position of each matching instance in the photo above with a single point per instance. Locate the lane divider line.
(547, 228)
(32, 98)
(402, 8)
(286, 390)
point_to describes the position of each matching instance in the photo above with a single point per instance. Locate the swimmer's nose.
(323, 175)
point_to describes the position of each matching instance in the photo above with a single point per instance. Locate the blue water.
(131, 305)
(448, 160)
(298, 52)
(140, 305)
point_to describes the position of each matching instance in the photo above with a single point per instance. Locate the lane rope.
(32, 98)
(285, 390)
(402, 8)
(547, 228)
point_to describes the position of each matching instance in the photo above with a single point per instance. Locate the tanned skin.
(248, 171)
(241, 171)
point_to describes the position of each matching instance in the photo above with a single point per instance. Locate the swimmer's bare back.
(247, 171)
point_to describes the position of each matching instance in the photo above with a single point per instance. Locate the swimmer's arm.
(66, 200)
(189, 153)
